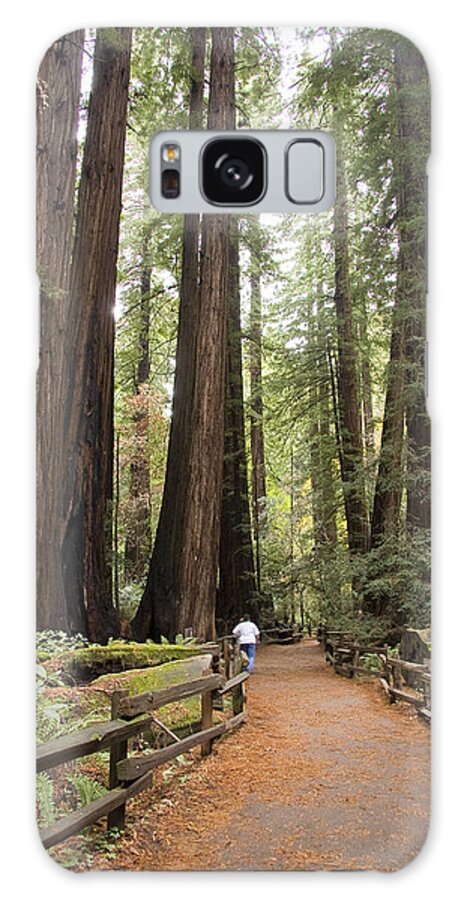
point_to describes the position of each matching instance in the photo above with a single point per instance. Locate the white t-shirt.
(246, 632)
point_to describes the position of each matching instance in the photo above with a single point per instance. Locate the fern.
(46, 810)
(371, 662)
(87, 789)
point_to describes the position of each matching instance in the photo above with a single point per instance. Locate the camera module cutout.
(245, 170)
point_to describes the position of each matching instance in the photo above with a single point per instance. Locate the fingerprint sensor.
(304, 176)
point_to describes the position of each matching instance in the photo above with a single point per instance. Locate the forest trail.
(324, 775)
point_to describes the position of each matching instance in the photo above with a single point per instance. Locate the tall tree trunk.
(87, 488)
(386, 514)
(258, 465)
(414, 147)
(389, 483)
(351, 435)
(237, 584)
(165, 578)
(322, 449)
(182, 581)
(292, 536)
(315, 450)
(138, 533)
(366, 388)
(327, 443)
(349, 403)
(58, 90)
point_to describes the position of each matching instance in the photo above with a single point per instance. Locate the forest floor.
(324, 775)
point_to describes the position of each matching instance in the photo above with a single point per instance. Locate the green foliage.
(398, 577)
(258, 65)
(93, 843)
(46, 810)
(371, 662)
(185, 641)
(363, 627)
(50, 643)
(48, 710)
(87, 789)
(129, 599)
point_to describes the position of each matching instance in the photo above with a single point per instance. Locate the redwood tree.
(237, 584)
(258, 465)
(351, 435)
(413, 101)
(390, 477)
(89, 337)
(58, 90)
(138, 527)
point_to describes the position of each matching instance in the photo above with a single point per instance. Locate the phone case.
(233, 464)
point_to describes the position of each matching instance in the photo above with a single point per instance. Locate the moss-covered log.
(89, 663)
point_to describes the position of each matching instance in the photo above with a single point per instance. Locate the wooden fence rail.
(346, 656)
(282, 635)
(129, 775)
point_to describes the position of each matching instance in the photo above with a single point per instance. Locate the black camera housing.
(233, 171)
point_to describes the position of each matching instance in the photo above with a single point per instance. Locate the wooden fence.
(129, 775)
(346, 656)
(281, 635)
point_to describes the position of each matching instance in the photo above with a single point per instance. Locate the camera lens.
(233, 171)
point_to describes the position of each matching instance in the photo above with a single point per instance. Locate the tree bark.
(414, 140)
(182, 581)
(390, 478)
(322, 442)
(351, 436)
(258, 465)
(58, 90)
(138, 526)
(87, 489)
(327, 443)
(237, 585)
(366, 389)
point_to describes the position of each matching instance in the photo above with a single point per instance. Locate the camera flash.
(170, 153)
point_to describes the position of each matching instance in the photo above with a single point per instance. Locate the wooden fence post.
(237, 659)
(216, 660)
(397, 677)
(118, 751)
(206, 719)
(226, 658)
(427, 691)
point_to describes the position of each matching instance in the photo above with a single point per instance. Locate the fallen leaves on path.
(324, 775)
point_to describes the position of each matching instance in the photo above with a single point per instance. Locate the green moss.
(159, 676)
(89, 663)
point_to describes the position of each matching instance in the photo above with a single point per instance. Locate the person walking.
(247, 635)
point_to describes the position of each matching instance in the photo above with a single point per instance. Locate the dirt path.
(324, 775)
